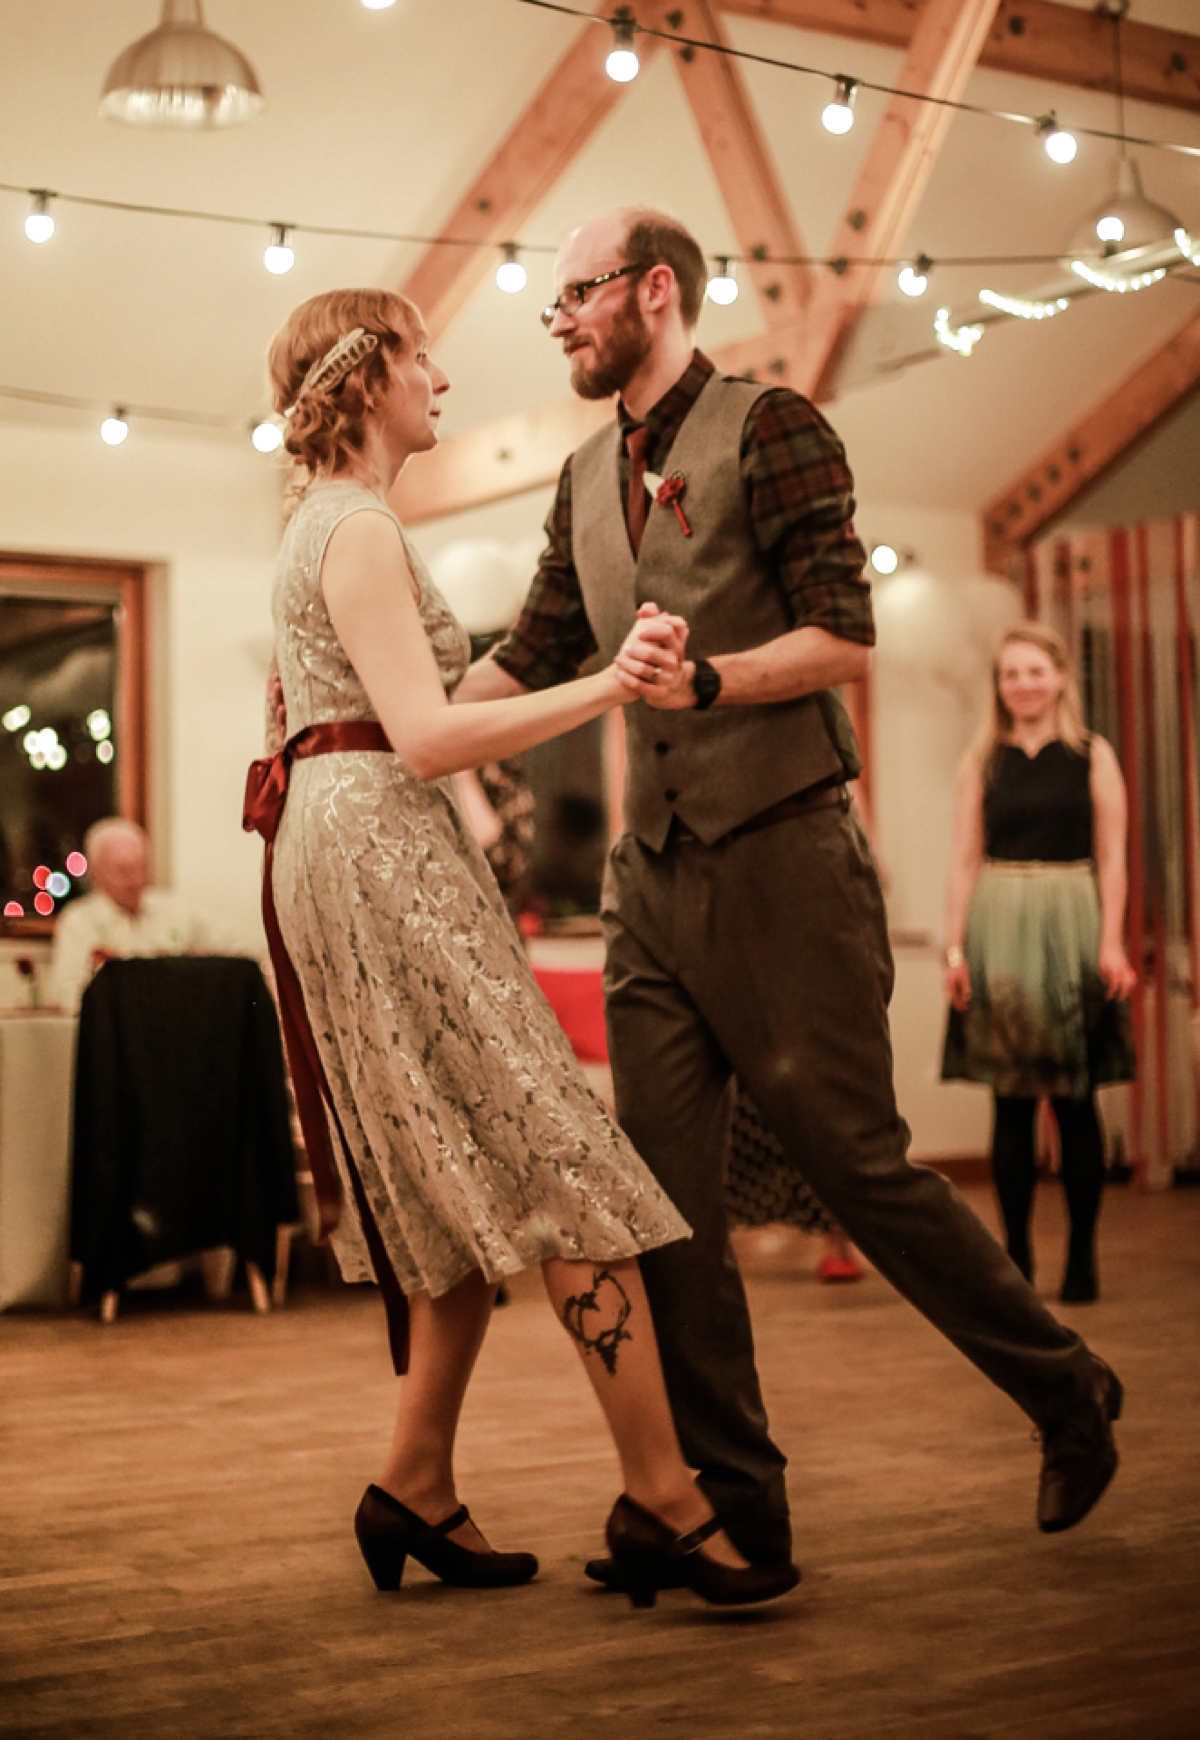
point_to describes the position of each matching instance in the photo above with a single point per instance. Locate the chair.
(181, 1140)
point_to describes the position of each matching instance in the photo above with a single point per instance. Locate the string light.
(838, 115)
(884, 559)
(1061, 146)
(1110, 229)
(1106, 281)
(961, 339)
(266, 437)
(511, 276)
(702, 45)
(1021, 308)
(278, 256)
(914, 279)
(723, 286)
(1188, 245)
(622, 63)
(39, 225)
(114, 429)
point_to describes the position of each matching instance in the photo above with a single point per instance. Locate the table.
(570, 973)
(37, 1053)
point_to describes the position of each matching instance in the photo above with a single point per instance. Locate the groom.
(745, 926)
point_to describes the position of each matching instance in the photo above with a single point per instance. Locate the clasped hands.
(651, 665)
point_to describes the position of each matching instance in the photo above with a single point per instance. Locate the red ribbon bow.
(669, 494)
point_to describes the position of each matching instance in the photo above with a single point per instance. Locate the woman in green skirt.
(1036, 970)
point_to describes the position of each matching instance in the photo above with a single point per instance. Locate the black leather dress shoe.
(1079, 1457)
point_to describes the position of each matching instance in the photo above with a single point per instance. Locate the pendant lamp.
(181, 75)
(1135, 237)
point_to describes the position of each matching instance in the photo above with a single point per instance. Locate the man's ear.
(660, 286)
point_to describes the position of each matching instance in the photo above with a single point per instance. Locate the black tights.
(1014, 1172)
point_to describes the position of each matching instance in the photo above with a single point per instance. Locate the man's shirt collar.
(665, 419)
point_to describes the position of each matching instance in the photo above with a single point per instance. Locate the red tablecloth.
(577, 997)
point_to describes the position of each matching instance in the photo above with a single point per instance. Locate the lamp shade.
(181, 75)
(1129, 220)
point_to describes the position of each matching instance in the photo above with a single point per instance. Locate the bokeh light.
(76, 863)
(58, 885)
(41, 875)
(43, 904)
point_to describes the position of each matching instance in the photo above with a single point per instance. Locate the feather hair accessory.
(336, 364)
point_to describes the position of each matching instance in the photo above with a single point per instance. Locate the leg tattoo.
(606, 1299)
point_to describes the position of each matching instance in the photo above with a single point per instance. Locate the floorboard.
(176, 1494)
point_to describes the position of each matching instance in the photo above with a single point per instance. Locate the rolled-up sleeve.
(552, 637)
(800, 496)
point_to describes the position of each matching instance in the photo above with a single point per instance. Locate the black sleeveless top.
(1038, 808)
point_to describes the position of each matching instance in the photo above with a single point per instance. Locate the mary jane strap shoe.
(388, 1534)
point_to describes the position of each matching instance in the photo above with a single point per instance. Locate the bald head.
(118, 856)
(637, 235)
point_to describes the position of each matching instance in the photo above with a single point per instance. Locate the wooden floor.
(176, 1495)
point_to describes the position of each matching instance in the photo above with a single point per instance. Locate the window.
(72, 722)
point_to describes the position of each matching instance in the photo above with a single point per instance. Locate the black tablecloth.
(181, 1133)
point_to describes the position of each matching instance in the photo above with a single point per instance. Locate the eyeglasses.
(574, 296)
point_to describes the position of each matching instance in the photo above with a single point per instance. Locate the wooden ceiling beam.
(571, 103)
(1033, 38)
(742, 164)
(1091, 448)
(941, 57)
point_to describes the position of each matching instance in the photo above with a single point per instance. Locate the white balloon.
(923, 628)
(482, 583)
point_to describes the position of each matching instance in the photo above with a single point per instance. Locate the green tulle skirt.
(1039, 1021)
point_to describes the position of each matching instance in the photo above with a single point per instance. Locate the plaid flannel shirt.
(799, 503)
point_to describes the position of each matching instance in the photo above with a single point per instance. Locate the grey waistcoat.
(716, 769)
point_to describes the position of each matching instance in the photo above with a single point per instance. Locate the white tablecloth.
(37, 1055)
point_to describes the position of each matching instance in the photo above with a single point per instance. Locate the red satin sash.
(262, 812)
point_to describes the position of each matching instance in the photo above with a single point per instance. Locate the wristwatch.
(706, 683)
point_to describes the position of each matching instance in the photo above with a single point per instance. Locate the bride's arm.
(371, 597)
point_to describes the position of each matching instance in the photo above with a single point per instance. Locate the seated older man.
(121, 917)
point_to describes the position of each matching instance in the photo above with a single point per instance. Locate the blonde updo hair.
(326, 427)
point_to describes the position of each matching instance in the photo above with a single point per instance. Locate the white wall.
(207, 511)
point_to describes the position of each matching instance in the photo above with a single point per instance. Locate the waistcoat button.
(670, 795)
(661, 748)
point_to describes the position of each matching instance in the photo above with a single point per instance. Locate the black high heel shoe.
(649, 1556)
(388, 1533)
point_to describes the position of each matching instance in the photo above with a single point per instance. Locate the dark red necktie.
(636, 503)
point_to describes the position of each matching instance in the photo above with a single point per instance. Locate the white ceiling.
(381, 119)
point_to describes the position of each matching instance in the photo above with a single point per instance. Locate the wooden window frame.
(130, 581)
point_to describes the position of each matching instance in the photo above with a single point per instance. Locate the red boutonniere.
(669, 493)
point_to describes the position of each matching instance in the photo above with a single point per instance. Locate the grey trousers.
(766, 956)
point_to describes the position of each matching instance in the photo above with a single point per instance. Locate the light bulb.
(511, 276)
(39, 225)
(884, 559)
(378, 5)
(1110, 229)
(838, 116)
(266, 437)
(114, 429)
(622, 63)
(913, 282)
(278, 257)
(1060, 145)
(722, 286)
